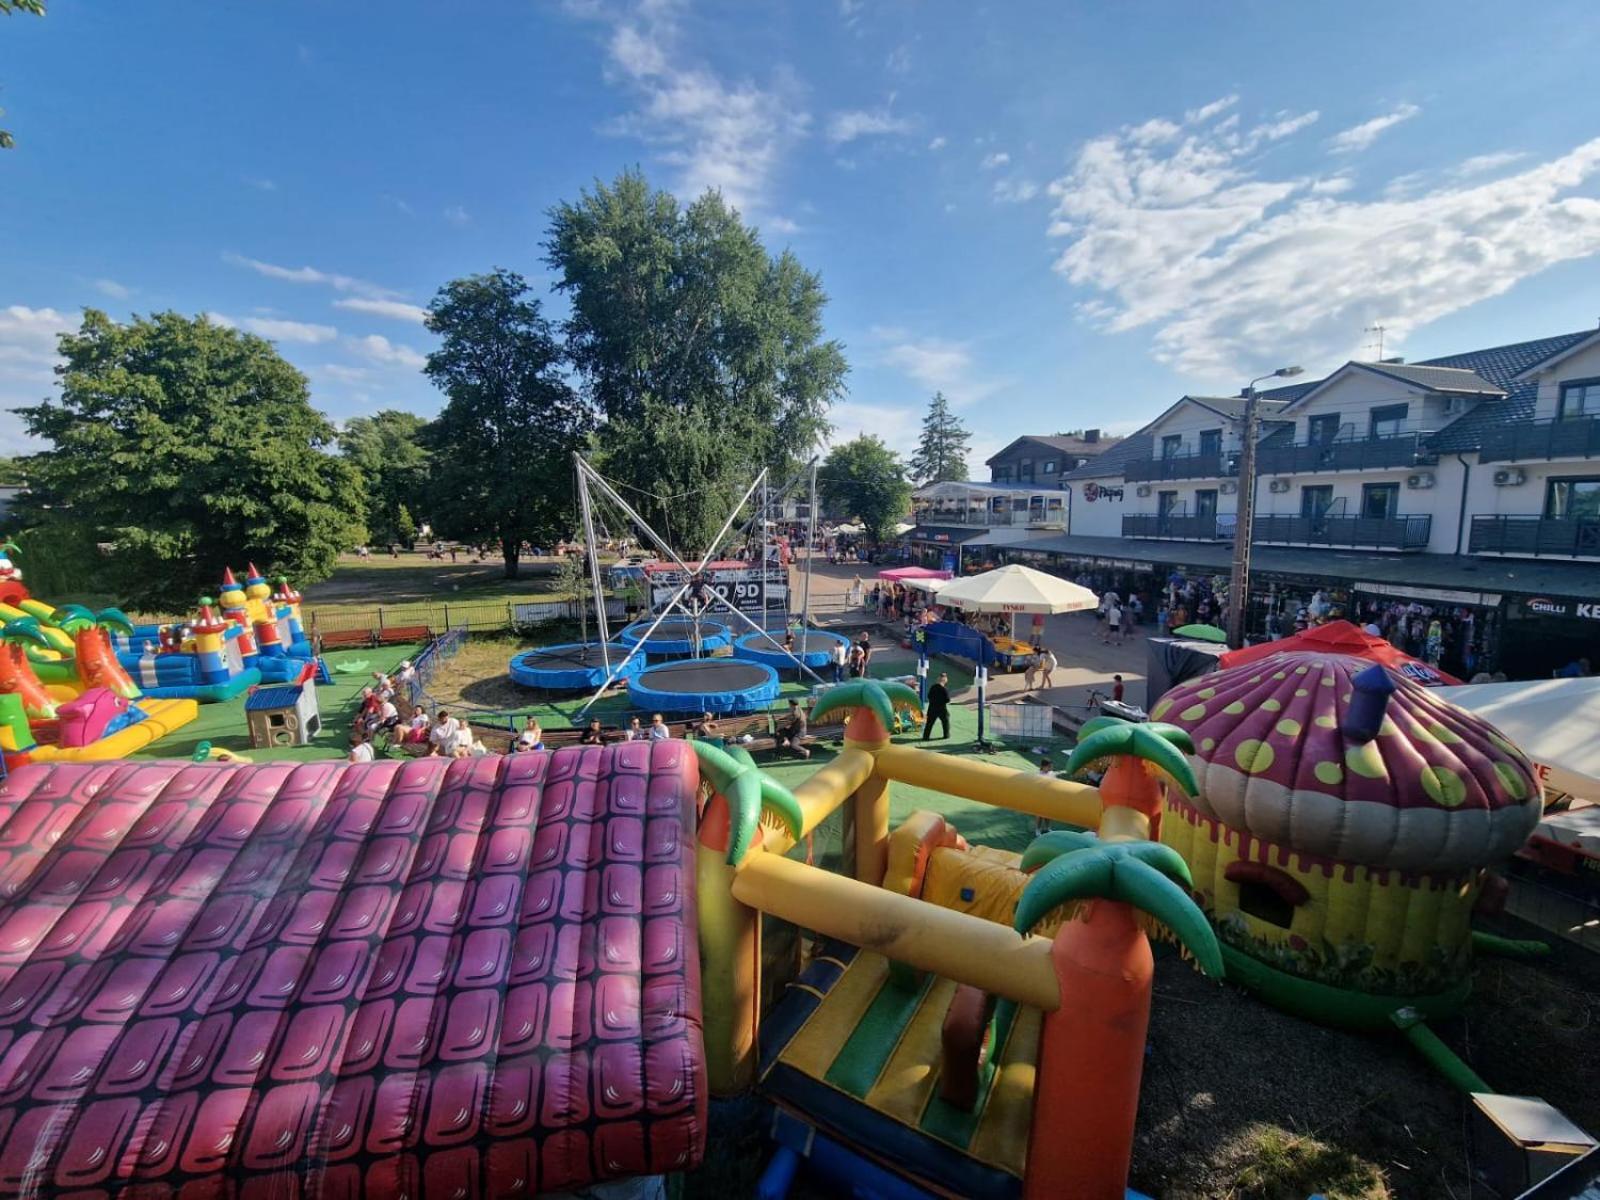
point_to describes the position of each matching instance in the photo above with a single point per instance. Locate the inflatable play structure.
(1345, 820)
(527, 974)
(249, 634)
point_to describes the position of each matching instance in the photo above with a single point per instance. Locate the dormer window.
(1211, 441)
(1172, 445)
(1579, 399)
(1388, 421)
(1322, 430)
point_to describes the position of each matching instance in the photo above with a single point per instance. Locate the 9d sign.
(744, 586)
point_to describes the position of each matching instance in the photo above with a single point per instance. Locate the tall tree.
(387, 449)
(186, 447)
(865, 479)
(942, 450)
(704, 353)
(7, 7)
(503, 445)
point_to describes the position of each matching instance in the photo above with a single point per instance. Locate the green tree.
(11, 474)
(503, 444)
(942, 450)
(704, 352)
(7, 7)
(405, 525)
(185, 446)
(387, 449)
(571, 583)
(865, 479)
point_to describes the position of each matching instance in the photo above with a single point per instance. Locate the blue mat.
(713, 685)
(573, 667)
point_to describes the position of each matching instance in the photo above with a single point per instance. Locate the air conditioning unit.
(1229, 487)
(1142, 490)
(1420, 481)
(1510, 477)
(1278, 485)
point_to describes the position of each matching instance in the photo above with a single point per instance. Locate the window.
(1388, 421)
(1578, 400)
(1211, 441)
(1575, 499)
(1322, 430)
(1316, 500)
(1025, 470)
(1050, 467)
(1172, 445)
(1205, 502)
(1166, 503)
(1380, 499)
(1002, 474)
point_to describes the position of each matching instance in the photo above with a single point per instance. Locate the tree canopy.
(187, 446)
(703, 352)
(942, 449)
(503, 445)
(387, 450)
(865, 479)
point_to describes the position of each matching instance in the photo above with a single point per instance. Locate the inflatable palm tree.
(871, 705)
(1116, 891)
(95, 659)
(753, 798)
(16, 671)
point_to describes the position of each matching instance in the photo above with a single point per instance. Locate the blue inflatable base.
(713, 685)
(769, 651)
(675, 636)
(574, 667)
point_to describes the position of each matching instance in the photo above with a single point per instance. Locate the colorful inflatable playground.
(499, 976)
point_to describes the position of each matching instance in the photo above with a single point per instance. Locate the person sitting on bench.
(592, 736)
(792, 733)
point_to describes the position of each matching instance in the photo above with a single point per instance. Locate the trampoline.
(675, 635)
(571, 668)
(714, 685)
(769, 651)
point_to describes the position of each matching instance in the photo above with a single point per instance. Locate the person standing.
(865, 646)
(1048, 771)
(938, 708)
(1047, 664)
(1113, 622)
(1030, 668)
(841, 660)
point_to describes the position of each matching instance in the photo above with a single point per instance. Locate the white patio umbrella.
(1552, 721)
(1016, 589)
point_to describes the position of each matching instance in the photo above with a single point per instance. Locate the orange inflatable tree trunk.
(94, 657)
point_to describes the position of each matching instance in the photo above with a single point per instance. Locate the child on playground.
(531, 737)
(1116, 688)
(1048, 770)
(1030, 668)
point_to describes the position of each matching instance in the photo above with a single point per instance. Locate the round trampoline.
(571, 668)
(767, 649)
(714, 685)
(675, 635)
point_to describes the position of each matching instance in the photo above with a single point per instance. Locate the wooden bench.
(344, 639)
(392, 635)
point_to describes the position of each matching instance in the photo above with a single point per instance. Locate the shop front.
(1544, 634)
(939, 546)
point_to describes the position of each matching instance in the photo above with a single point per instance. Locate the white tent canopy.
(1017, 589)
(1552, 721)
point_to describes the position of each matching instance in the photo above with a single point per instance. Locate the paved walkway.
(1086, 661)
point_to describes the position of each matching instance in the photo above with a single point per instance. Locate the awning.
(942, 535)
(902, 574)
(1011, 537)
(1552, 721)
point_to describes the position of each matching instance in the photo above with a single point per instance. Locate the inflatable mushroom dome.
(1344, 821)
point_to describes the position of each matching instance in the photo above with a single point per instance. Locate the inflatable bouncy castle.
(249, 634)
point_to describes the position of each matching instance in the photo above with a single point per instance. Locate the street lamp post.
(1239, 578)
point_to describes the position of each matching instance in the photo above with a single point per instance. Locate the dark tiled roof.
(1130, 449)
(1499, 365)
(1233, 407)
(1457, 380)
(1067, 443)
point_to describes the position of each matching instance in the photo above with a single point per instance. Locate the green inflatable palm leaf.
(751, 796)
(1146, 876)
(1151, 743)
(114, 618)
(24, 629)
(70, 618)
(880, 698)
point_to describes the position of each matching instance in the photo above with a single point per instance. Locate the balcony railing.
(1181, 466)
(1354, 533)
(1176, 528)
(1558, 537)
(978, 518)
(1575, 437)
(1351, 454)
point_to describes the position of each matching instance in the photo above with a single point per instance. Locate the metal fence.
(426, 665)
(479, 618)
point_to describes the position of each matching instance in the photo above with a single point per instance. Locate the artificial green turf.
(223, 725)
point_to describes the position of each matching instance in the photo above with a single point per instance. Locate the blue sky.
(1061, 215)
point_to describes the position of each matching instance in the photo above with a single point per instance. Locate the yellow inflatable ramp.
(161, 718)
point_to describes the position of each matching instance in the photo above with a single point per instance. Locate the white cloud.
(899, 425)
(993, 162)
(457, 216)
(1015, 191)
(1359, 137)
(1197, 116)
(400, 205)
(301, 332)
(339, 283)
(340, 373)
(1284, 124)
(1483, 164)
(1234, 269)
(899, 60)
(729, 137)
(938, 364)
(395, 309)
(381, 350)
(782, 225)
(938, 143)
(27, 365)
(110, 287)
(259, 183)
(848, 126)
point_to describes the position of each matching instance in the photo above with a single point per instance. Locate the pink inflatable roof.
(901, 574)
(432, 978)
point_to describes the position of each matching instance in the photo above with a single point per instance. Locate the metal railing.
(985, 519)
(1178, 527)
(1560, 537)
(1346, 454)
(1376, 533)
(1574, 437)
(1181, 466)
(480, 618)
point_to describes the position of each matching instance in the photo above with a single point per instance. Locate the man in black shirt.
(938, 708)
(591, 736)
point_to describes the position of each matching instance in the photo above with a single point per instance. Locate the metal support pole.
(1239, 577)
(811, 553)
(594, 561)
